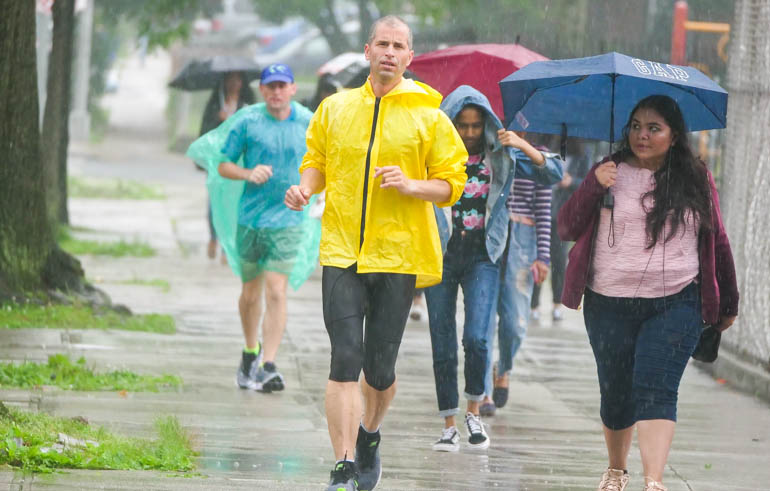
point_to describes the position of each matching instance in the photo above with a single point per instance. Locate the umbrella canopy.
(351, 60)
(207, 73)
(479, 65)
(593, 97)
(350, 79)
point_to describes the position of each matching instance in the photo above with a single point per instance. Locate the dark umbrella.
(353, 79)
(479, 65)
(206, 74)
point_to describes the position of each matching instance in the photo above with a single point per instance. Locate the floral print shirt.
(469, 211)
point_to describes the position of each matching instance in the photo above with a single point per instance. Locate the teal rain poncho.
(256, 230)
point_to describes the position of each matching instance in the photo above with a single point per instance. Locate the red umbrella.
(481, 66)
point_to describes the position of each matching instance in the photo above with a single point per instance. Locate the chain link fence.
(745, 189)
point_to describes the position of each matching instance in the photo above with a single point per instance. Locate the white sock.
(370, 432)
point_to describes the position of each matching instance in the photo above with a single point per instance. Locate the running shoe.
(477, 435)
(246, 376)
(368, 459)
(268, 379)
(449, 441)
(343, 477)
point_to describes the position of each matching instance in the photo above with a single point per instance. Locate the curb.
(744, 376)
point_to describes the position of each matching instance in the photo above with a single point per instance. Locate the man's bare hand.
(260, 174)
(393, 177)
(297, 197)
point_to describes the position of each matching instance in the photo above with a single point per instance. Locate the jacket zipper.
(366, 171)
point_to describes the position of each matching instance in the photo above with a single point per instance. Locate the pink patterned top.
(470, 210)
(628, 268)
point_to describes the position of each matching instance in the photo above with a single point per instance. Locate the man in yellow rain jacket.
(384, 153)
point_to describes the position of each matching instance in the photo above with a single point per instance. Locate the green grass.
(61, 372)
(29, 441)
(155, 282)
(90, 187)
(18, 316)
(115, 249)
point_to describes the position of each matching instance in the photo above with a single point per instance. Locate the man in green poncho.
(270, 140)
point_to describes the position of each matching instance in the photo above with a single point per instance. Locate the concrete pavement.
(547, 438)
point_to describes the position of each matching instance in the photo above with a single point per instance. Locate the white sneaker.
(449, 441)
(557, 314)
(418, 313)
(477, 435)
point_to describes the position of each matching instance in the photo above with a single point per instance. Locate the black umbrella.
(351, 79)
(207, 73)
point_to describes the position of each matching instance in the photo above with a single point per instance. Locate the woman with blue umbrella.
(650, 270)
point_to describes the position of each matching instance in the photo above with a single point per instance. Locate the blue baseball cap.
(277, 72)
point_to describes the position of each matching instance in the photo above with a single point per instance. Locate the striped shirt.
(533, 201)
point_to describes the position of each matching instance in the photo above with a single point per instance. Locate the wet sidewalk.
(547, 438)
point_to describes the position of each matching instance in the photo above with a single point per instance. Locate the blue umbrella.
(593, 97)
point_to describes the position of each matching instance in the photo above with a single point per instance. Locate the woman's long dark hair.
(681, 183)
(213, 105)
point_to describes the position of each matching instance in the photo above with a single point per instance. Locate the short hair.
(392, 21)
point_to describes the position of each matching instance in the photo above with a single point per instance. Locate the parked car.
(271, 38)
(306, 51)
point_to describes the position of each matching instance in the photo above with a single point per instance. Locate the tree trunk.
(30, 260)
(25, 237)
(54, 140)
(331, 29)
(365, 20)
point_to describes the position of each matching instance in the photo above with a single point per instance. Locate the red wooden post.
(679, 34)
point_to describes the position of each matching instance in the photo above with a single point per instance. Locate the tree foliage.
(555, 28)
(319, 12)
(162, 21)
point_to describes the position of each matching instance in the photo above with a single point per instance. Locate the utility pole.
(80, 120)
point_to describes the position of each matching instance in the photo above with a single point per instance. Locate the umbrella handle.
(609, 200)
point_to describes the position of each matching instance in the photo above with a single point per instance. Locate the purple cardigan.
(578, 221)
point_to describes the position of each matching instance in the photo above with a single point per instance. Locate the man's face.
(470, 125)
(389, 52)
(277, 95)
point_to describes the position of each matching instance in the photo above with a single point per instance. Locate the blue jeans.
(641, 346)
(466, 264)
(513, 304)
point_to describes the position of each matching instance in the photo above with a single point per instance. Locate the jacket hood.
(465, 95)
(425, 93)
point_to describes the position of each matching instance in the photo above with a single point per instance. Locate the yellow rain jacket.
(383, 230)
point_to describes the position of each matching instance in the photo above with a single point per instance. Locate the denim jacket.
(506, 164)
